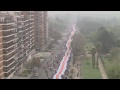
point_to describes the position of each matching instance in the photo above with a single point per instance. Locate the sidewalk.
(102, 69)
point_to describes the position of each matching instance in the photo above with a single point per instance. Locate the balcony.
(6, 33)
(25, 31)
(7, 27)
(32, 32)
(19, 54)
(6, 45)
(24, 54)
(26, 44)
(27, 25)
(20, 32)
(18, 63)
(9, 73)
(18, 50)
(19, 39)
(20, 29)
(19, 44)
(7, 39)
(26, 40)
(6, 20)
(6, 63)
(6, 57)
(20, 18)
(8, 67)
(6, 51)
(33, 47)
(24, 51)
(20, 58)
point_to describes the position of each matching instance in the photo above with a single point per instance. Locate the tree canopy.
(78, 44)
(55, 35)
(105, 38)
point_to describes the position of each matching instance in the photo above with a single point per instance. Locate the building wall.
(8, 43)
(1, 55)
(41, 29)
(46, 27)
(21, 36)
(26, 36)
(42, 42)
(18, 41)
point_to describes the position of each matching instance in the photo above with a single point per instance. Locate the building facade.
(18, 40)
(21, 33)
(1, 51)
(46, 27)
(25, 37)
(9, 41)
(41, 29)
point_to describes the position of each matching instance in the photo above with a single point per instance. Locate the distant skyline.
(99, 14)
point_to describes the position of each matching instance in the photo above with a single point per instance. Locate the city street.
(51, 64)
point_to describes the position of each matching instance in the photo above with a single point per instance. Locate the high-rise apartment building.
(18, 40)
(25, 37)
(37, 31)
(41, 30)
(21, 33)
(1, 50)
(46, 27)
(9, 41)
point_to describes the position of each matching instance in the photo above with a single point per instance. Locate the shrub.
(113, 69)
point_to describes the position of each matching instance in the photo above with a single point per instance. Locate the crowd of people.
(52, 64)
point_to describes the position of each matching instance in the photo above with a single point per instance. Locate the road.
(42, 71)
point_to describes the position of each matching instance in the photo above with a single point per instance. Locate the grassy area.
(88, 71)
(105, 60)
(42, 58)
(25, 73)
(112, 68)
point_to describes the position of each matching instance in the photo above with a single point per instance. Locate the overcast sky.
(103, 14)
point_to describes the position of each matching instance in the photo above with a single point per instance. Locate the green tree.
(113, 66)
(55, 35)
(58, 24)
(114, 54)
(78, 44)
(98, 48)
(118, 43)
(92, 37)
(113, 70)
(93, 52)
(106, 40)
